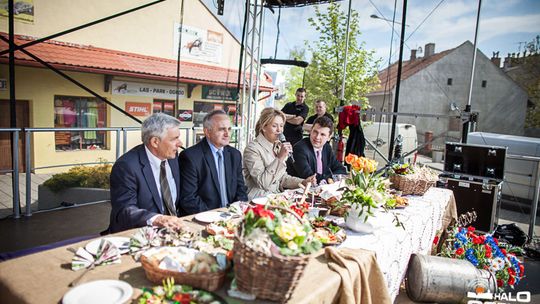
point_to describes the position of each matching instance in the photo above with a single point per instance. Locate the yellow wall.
(39, 86)
(148, 31)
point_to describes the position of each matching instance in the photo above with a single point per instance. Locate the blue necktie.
(221, 177)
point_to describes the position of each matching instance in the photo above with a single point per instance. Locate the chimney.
(429, 50)
(496, 59)
(413, 55)
(507, 62)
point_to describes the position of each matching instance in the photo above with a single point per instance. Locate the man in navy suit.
(314, 155)
(145, 182)
(211, 170)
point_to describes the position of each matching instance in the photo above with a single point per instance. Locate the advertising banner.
(198, 43)
(185, 115)
(23, 10)
(138, 108)
(219, 93)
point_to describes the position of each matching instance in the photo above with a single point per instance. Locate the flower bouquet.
(272, 248)
(365, 194)
(485, 252)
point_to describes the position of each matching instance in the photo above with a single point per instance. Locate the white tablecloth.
(393, 245)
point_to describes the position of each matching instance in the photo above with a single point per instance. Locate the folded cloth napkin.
(107, 253)
(144, 238)
(361, 279)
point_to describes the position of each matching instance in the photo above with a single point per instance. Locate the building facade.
(438, 83)
(131, 61)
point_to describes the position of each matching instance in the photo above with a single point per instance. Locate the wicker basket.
(209, 281)
(408, 184)
(267, 277)
(335, 209)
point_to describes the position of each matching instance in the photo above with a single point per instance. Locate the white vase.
(357, 223)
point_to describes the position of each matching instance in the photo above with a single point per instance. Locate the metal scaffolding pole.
(252, 67)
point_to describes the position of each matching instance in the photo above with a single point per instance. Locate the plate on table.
(212, 216)
(101, 291)
(122, 243)
(260, 200)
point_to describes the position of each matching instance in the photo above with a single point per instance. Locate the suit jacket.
(134, 194)
(305, 161)
(200, 183)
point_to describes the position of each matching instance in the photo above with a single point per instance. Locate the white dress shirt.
(155, 164)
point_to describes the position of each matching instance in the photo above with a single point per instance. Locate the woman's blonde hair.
(267, 116)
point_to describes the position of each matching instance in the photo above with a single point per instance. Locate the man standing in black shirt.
(296, 113)
(320, 111)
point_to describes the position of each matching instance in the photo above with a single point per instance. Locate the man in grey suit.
(145, 182)
(211, 170)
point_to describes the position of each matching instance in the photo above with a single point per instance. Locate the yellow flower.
(292, 245)
(286, 231)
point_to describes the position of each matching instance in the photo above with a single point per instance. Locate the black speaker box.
(477, 196)
(475, 160)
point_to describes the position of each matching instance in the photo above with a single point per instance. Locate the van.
(379, 135)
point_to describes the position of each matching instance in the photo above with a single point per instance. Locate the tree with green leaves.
(324, 75)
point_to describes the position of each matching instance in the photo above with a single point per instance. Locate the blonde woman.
(264, 158)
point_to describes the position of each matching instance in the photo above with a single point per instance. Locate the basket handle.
(289, 211)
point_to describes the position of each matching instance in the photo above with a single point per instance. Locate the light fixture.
(454, 107)
(377, 17)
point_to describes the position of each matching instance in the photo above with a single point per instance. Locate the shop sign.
(138, 108)
(218, 93)
(185, 115)
(145, 89)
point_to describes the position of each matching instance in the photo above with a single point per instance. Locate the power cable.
(387, 74)
(428, 15)
(278, 32)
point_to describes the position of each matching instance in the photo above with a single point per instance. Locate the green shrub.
(81, 176)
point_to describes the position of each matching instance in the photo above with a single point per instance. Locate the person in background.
(145, 182)
(320, 111)
(211, 170)
(264, 158)
(313, 155)
(295, 114)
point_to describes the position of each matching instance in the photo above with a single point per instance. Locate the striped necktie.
(166, 195)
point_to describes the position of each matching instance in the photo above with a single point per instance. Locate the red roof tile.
(408, 69)
(76, 57)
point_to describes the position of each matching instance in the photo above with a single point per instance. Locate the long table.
(44, 277)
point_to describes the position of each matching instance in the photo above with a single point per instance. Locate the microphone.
(282, 139)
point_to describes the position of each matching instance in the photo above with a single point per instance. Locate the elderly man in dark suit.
(211, 170)
(145, 182)
(314, 155)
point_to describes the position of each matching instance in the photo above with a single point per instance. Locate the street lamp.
(377, 17)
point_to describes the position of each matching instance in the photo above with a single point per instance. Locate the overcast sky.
(503, 25)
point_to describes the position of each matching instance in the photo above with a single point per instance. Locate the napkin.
(144, 238)
(107, 253)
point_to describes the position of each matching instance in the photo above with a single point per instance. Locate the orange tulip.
(350, 158)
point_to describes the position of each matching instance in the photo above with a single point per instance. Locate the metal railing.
(536, 196)
(120, 146)
(14, 168)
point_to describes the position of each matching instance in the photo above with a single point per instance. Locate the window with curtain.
(164, 106)
(80, 112)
